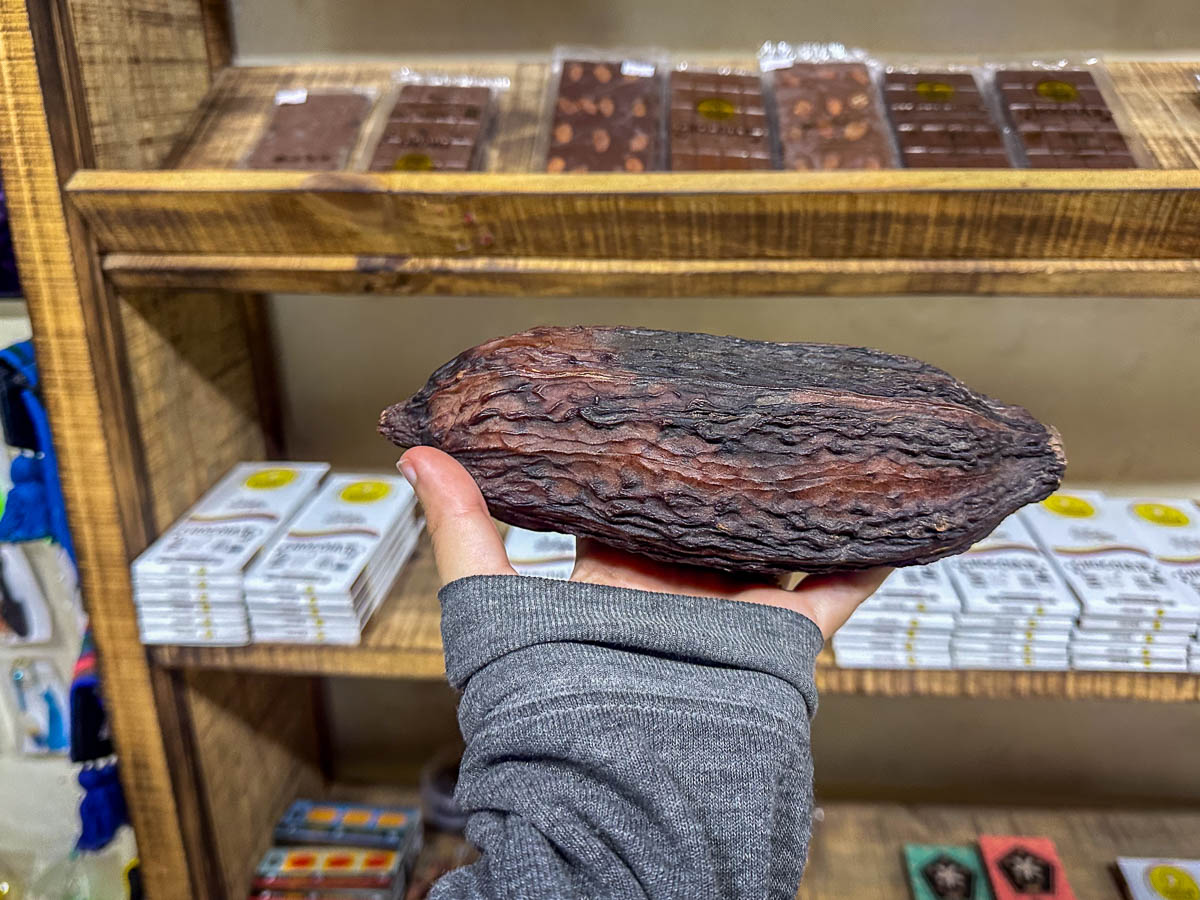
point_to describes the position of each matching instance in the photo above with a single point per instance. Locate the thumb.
(465, 540)
(832, 598)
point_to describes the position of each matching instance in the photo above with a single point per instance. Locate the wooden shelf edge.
(88, 182)
(901, 215)
(303, 659)
(1158, 687)
(549, 277)
(357, 662)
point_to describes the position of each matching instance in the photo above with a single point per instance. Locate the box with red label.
(1024, 868)
(331, 869)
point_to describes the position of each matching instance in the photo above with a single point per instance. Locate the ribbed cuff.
(487, 616)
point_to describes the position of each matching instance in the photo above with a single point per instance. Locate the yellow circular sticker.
(716, 109)
(1072, 507)
(365, 491)
(1172, 883)
(1058, 91)
(937, 91)
(1161, 514)
(413, 162)
(269, 479)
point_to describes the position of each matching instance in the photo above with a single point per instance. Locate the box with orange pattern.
(353, 825)
(378, 873)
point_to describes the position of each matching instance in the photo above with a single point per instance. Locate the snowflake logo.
(949, 879)
(1027, 872)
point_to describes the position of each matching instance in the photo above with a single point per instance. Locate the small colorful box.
(1160, 879)
(357, 825)
(945, 872)
(326, 869)
(1024, 867)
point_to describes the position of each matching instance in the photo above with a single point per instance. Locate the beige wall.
(378, 27)
(1119, 377)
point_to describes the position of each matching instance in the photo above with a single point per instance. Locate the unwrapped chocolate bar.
(311, 131)
(941, 121)
(718, 121)
(607, 118)
(1063, 120)
(830, 117)
(434, 127)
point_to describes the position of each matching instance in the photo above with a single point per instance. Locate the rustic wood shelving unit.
(121, 126)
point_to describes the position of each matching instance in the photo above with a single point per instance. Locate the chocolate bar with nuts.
(718, 121)
(606, 118)
(941, 121)
(317, 133)
(1062, 120)
(829, 118)
(433, 127)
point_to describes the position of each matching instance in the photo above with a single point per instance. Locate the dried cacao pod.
(731, 454)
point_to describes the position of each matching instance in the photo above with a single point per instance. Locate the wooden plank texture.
(78, 358)
(906, 214)
(856, 847)
(1159, 100)
(256, 750)
(193, 378)
(542, 277)
(403, 640)
(144, 68)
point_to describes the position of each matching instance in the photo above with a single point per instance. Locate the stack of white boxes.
(1170, 530)
(187, 585)
(544, 554)
(1018, 613)
(906, 624)
(323, 577)
(1133, 617)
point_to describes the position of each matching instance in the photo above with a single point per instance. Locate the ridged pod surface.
(746, 456)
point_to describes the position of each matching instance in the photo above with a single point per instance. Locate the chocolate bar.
(433, 128)
(829, 118)
(941, 121)
(606, 118)
(1062, 120)
(718, 121)
(316, 133)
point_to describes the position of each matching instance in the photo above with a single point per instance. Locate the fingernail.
(408, 471)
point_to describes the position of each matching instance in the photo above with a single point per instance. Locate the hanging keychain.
(42, 705)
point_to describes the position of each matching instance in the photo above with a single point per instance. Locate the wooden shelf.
(403, 640)
(206, 224)
(856, 849)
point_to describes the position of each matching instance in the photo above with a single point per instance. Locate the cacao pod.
(731, 454)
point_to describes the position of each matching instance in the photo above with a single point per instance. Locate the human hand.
(466, 542)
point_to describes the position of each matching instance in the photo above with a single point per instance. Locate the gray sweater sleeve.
(622, 743)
